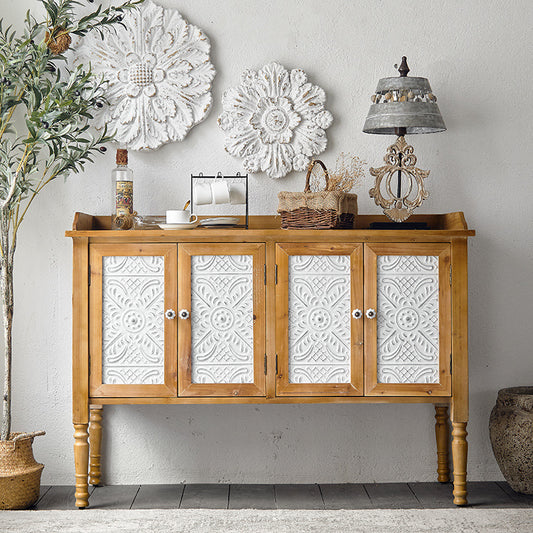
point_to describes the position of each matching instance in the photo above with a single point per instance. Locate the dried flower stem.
(349, 172)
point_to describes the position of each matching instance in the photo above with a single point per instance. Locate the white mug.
(237, 193)
(180, 216)
(202, 193)
(220, 190)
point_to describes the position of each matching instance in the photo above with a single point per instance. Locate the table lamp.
(401, 106)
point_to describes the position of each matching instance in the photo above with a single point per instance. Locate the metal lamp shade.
(403, 102)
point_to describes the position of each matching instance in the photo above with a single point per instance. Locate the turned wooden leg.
(459, 453)
(442, 434)
(95, 439)
(81, 461)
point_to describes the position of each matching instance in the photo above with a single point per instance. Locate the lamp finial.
(404, 69)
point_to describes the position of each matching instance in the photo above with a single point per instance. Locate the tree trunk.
(6, 290)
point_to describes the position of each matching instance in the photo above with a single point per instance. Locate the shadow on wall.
(267, 444)
(499, 272)
(499, 341)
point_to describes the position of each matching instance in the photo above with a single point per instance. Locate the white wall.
(477, 57)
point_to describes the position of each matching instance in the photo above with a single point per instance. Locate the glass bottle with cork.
(122, 178)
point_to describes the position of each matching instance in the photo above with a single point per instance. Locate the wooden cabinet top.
(442, 227)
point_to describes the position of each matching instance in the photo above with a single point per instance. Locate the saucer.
(220, 221)
(187, 225)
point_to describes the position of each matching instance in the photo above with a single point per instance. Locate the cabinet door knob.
(370, 313)
(184, 314)
(357, 314)
(170, 314)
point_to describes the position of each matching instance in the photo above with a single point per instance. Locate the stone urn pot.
(511, 435)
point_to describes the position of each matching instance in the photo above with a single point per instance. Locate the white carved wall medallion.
(408, 319)
(275, 120)
(159, 76)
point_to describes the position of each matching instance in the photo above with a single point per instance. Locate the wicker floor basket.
(317, 210)
(20, 473)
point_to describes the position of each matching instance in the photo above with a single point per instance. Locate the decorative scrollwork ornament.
(400, 159)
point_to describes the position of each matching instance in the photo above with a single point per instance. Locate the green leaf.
(54, 121)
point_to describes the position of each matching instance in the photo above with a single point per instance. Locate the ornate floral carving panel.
(408, 319)
(158, 75)
(133, 319)
(319, 319)
(222, 319)
(275, 120)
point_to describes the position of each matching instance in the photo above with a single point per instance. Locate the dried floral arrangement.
(349, 172)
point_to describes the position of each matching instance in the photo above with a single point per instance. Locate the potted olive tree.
(45, 113)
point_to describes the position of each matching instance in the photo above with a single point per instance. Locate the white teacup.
(180, 216)
(202, 194)
(237, 193)
(220, 190)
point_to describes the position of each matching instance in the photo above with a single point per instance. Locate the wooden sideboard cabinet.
(265, 315)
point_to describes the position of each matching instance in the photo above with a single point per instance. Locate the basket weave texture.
(20, 474)
(317, 210)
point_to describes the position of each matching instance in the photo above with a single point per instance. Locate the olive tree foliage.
(46, 107)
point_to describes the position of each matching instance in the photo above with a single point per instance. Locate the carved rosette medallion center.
(319, 319)
(407, 319)
(222, 319)
(141, 74)
(276, 119)
(133, 321)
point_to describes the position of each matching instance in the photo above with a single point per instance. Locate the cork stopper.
(122, 157)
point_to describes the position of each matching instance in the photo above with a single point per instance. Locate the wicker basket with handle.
(317, 210)
(20, 473)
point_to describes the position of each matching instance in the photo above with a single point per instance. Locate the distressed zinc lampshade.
(401, 106)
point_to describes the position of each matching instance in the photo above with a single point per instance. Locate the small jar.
(122, 178)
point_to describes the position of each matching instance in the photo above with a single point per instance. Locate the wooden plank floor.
(318, 496)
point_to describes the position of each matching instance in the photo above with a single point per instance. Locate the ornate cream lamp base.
(399, 159)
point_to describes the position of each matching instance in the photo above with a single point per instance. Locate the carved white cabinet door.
(407, 319)
(319, 326)
(221, 319)
(133, 297)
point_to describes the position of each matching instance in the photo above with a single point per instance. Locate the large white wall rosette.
(159, 76)
(275, 120)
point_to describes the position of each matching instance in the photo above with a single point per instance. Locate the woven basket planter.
(317, 210)
(20, 473)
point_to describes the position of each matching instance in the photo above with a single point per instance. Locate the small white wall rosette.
(159, 76)
(275, 120)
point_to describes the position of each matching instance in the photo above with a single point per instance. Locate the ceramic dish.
(190, 225)
(220, 221)
(149, 221)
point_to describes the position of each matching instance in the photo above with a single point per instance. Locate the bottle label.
(124, 198)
